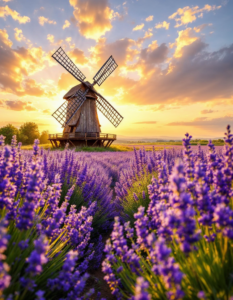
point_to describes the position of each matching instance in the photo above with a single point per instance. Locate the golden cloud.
(78, 56)
(138, 27)
(66, 24)
(185, 37)
(43, 20)
(7, 11)
(17, 65)
(163, 24)
(50, 38)
(93, 17)
(17, 105)
(150, 18)
(20, 37)
(122, 51)
(189, 14)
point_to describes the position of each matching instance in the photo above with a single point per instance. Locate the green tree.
(44, 137)
(29, 130)
(8, 131)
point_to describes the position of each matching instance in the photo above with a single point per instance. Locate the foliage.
(8, 132)
(29, 130)
(44, 137)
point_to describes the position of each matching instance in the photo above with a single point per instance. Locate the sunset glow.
(175, 63)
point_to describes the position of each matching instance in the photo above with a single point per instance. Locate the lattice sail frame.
(67, 110)
(108, 110)
(63, 59)
(106, 70)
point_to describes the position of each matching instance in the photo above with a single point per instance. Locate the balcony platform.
(82, 139)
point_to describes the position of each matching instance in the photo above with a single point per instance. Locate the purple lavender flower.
(141, 290)
(37, 258)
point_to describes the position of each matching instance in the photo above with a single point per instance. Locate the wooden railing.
(85, 136)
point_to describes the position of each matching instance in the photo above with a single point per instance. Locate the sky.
(175, 62)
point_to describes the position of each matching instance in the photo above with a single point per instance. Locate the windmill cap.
(76, 88)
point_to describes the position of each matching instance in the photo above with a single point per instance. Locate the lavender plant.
(180, 246)
(45, 246)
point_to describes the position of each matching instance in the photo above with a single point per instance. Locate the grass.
(174, 143)
(116, 148)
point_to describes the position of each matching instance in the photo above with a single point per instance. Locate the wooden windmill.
(78, 114)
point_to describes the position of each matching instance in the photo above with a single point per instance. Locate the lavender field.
(167, 216)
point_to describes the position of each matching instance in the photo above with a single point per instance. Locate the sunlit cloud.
(207, 111)
(163, 24)
(185, 37)
(20, 37)
(188, 14)
(150, 18)
(93, 17)
(138, 27)
(146, 122)
(206, 123)
(66, 24)
(43, 20)
(50, 38)
(17, 105)
(7, 11)
(17, 64)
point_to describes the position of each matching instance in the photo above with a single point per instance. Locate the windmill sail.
(63, 59)
(108, 110)
(66, 111)
(105, 71)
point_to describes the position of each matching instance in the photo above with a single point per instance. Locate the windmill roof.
(76, 88)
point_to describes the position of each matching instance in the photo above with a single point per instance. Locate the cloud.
(188, 14)
(163, 24)
(194, 76)
(78, 56)
(150, 18)
(206, 123)
(201, 27)
(138, 27)
(66, 81)
(149, 58)
(185, 38)
(17, 65)
(43, 20)
(7, 11)
(66, 24)
(50, 38)
(146, 122)
(20, 37)
(47, 111)
(207, 111)
(122, 51)
(17, 105)
(92, 17)
(6, 0)
(163, 107)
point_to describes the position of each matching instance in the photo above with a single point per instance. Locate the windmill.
(78, 114)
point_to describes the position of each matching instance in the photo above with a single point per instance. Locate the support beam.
(71, 143)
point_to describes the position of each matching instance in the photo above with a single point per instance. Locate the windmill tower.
(78, 114)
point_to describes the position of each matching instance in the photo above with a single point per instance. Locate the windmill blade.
(66, 111)
(108, 110)
(105, 71)
(63, 59)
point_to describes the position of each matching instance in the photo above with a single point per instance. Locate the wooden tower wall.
(85, 119)
(88, 120)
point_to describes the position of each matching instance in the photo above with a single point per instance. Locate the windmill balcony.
(82, 139)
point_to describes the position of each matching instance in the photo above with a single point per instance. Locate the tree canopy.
(8, 131)
(29, 130)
